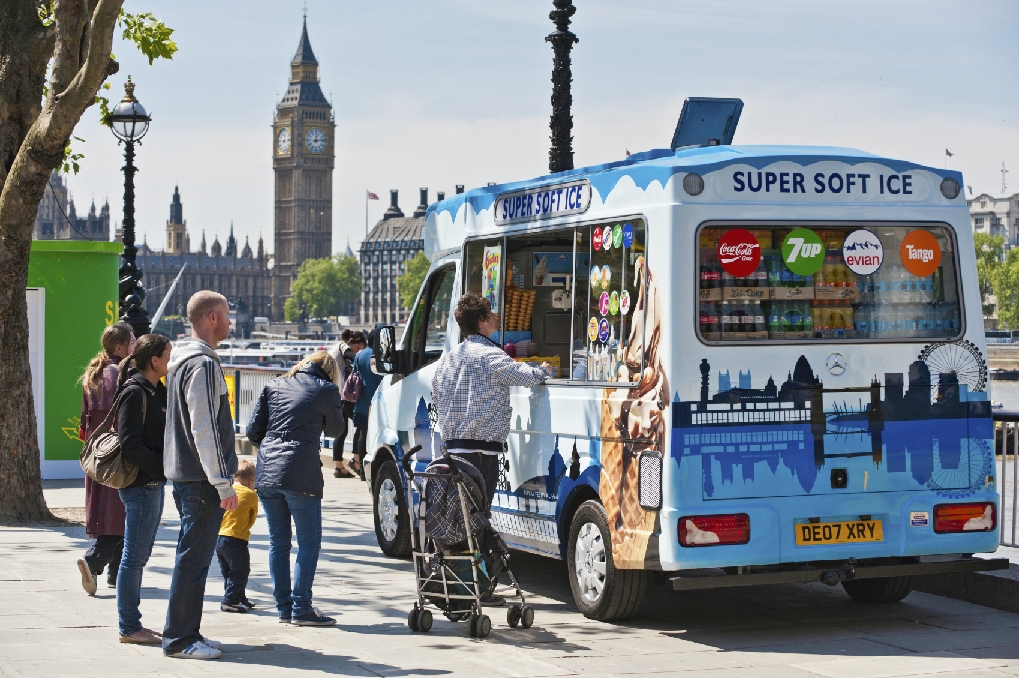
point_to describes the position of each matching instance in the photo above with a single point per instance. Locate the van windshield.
(802, 282)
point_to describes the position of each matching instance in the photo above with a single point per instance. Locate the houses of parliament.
(257, 282)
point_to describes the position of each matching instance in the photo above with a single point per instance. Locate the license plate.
(850, 532)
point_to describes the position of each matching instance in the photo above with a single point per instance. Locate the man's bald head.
(202, 303)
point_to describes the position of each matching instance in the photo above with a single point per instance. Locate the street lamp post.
(560, 156)
(130, 122)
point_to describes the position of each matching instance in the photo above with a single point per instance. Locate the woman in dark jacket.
(370, 381)
(291, 414)
(141, 420)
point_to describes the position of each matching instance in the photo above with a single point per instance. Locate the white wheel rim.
(388, 508)
(589, 562)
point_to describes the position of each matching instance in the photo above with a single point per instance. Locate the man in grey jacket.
(199, 457)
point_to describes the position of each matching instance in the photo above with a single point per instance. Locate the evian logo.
(863, 252)
(739, 252)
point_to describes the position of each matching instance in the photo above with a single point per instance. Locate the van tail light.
(714, 530)
(978, 517)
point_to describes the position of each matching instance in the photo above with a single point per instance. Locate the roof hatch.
(707, 121)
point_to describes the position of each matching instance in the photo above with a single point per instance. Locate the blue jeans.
(306, 511)
(200, 518)
(235, 564)
(144, 507)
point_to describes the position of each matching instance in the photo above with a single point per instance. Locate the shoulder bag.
(101, 458)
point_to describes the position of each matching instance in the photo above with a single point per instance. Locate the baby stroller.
(458, 556)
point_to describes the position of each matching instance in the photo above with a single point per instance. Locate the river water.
(1006, 393)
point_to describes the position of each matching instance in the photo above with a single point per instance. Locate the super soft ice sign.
(543, 203)
(822, 182)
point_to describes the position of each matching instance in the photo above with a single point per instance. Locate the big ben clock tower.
(302, 161)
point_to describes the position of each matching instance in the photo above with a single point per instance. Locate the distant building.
(384, 255)
(242, 277)
(57, 218)
(996, 216)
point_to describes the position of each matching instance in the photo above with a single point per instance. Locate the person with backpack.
(369, 385)
(141, 422)
(104, 512)
(291, 414)
(351, 341)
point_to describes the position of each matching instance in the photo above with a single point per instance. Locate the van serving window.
(823, 282)
(567, 296)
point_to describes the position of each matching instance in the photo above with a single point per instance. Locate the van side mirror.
(384, 350)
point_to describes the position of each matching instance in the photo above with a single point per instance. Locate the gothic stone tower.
(303, 154)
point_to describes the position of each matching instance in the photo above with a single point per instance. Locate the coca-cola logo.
(739, 252)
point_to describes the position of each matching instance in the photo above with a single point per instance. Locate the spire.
(246, 252)
(231, 243)
(261, 247)
(203, 249)
(217, 249)
(176, 208)
(304, 55)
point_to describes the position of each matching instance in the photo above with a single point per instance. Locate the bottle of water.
(863, 322)
(759, 323)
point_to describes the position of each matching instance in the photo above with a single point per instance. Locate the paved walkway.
(49, 627)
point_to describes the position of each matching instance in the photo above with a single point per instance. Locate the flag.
(628, 153)
(949, 153)
(372, 196)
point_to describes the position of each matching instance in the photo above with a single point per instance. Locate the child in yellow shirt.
(232, 546)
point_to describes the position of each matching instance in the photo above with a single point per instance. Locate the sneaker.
(313, 618)
(248, 604)
(143, 637)
(233, 607)
(285, 619)
(214, 644)
(88, 578)
(198, 650)
(111, 583)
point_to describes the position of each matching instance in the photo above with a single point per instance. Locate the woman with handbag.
(141, 420)
(104, 512)
(290, 416)
(369, 383)
(351, 342)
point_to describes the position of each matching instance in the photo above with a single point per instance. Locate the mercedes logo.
(836, 364)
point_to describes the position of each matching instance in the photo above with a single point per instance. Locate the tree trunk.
(32, 140)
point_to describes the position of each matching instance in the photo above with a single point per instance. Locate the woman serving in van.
(470, 390)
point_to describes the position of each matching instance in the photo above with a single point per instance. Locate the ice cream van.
(770, 368)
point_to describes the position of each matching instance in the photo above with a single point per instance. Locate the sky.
(434, 94)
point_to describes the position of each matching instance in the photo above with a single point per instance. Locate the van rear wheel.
(600, 590)
(879, 590)
(392, 521)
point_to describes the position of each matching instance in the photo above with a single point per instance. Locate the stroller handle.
(408, 457)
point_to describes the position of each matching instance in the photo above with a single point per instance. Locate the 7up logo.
(803, 252)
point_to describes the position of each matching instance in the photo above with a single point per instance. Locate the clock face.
(283, 141)
(315, 140)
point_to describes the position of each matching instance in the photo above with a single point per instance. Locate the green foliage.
(45, 10)
(989, 252)
(323, 286)
(150, 35)
(1005, 279)
(70, 162)
(410, 282)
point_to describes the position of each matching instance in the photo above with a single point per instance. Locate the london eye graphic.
(970, 473)
(960, 358)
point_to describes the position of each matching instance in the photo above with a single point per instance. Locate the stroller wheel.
(513, 616)
(483, 626)
(473, 625)
(526, 616)
(412, 619)
(424, 620)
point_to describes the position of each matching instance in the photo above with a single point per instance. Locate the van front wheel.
(879, 590)
(600, 590)
(392, 521)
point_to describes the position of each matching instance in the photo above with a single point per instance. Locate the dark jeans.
(280, 506)
(144, 507)
(235, 564)
(488, 465)
(360, 435)
(348, 412)
(200, 518)
(105, 550)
